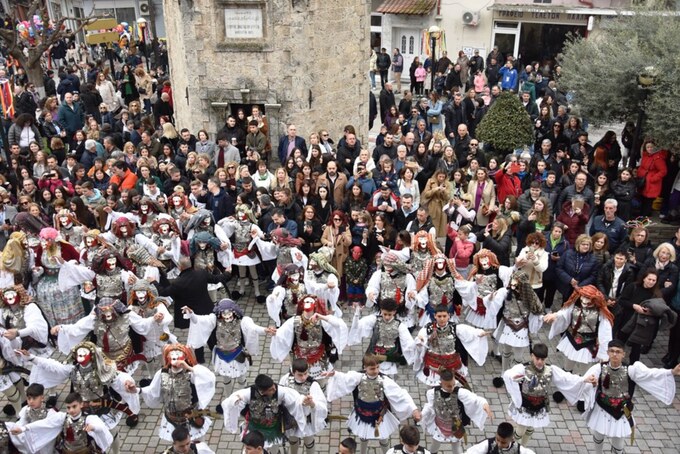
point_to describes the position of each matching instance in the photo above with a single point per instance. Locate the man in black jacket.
(190, 289)
(383, 62)
(453, 114)
(24, 102)
(386, 101)
(613, 277)
(50, 84)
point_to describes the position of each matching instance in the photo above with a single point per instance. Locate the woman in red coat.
(575, 219)
(507, 182)
(652, 168)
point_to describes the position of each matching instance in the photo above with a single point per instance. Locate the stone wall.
(309, 68)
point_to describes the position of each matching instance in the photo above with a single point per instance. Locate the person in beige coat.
(438, 191)
(338, 237)
(145, 88)
(485, 204)
(340, 179)
(533, 259)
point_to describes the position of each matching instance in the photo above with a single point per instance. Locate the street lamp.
(142, 28)
(435, 33)
(646, 80)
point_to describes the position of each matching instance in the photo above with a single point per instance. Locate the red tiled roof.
(411, 7)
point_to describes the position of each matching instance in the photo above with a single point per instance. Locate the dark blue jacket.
(221, 205)
(283, 148)
(566, 271)
(616, 232)
(560, 248)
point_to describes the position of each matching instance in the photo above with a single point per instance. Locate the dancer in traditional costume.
(380, 405)
(449, 409)
(396, 282)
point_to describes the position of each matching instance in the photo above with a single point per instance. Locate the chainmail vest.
(204, 260)
(308, 335)
(388, 332)
(110, 285)
(618, 381)
(536, 383)
(418, 260)
(303, 388)
(440, 286)
(263, 408)
(114, 335)
(371, 389)
(176, 391)
(242, 236)
(442, 341)
(446, 406)
(228, 334)
(590, 317)
(285, 257)
(515, 309)
(86, 383)
(72, 235)
(4, 439)
(488, 285)
(389, 286)
(74, 436)
(12, 318)
(36, 414)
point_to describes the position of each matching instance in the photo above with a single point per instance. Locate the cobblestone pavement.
(568, 433)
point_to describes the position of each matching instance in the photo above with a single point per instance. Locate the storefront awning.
(408, 7)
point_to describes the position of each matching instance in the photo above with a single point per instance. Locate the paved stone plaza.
(657, 424)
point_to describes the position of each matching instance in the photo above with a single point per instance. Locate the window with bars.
(403, 44)
(411, 44)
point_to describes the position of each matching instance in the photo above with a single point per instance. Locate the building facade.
(531, 30)
(301, 61)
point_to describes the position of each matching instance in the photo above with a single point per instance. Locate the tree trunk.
(35, 76)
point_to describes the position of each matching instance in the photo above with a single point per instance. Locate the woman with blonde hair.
(169, 135)
(281, 179)
(663, 261)
(191, 164)
(497, 238)
(483, 192)
(130, 155)
(144, 87)
(437, 193)
(107, 91)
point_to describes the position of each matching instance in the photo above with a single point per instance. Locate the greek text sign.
(243, 23)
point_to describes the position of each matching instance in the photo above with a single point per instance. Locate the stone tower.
(305, 61)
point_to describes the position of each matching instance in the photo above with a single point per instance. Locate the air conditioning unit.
(470, 18)
(144, 7)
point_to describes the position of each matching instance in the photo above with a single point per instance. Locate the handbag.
(641, 182)
(434, 120)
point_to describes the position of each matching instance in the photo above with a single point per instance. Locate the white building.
(129, 11)
(531, 30)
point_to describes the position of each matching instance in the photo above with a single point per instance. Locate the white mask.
(83, 356)
(227, 316)
(177, 201)
(123, 230)
(202, 246)
(89, 241)
(141, 295)
(295, 278)
(144, 208)
(164, 229)
(10, 297)
(484, 261)
(207, 220)
(586, 301)
(65, 221)
(422, 241)
(176, 357)
(111, 263)
(440, 264)
(242, 216)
